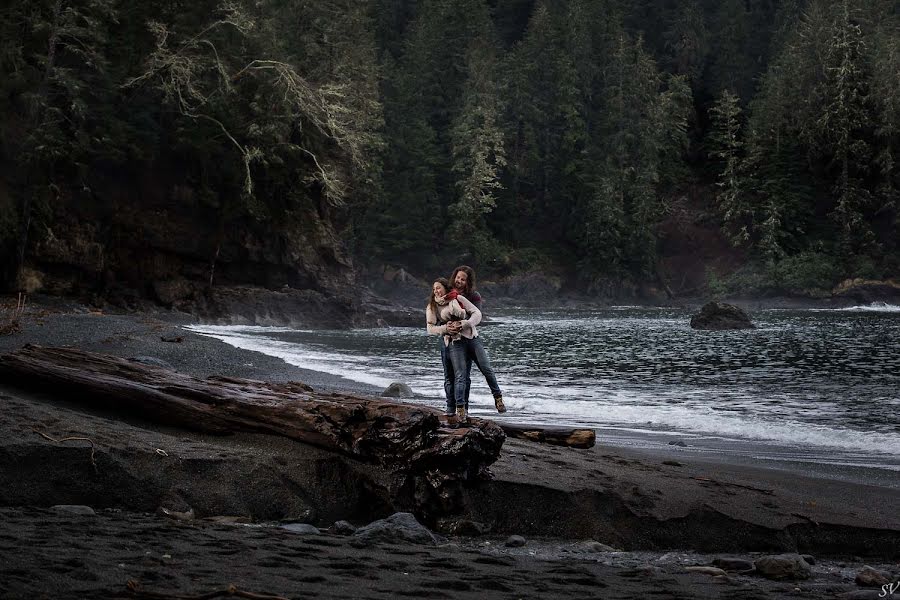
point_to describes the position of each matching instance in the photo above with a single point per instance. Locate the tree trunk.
(556, 436)
(402, 437)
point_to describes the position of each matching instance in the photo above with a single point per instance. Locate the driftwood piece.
(402, 437)
(556, 436)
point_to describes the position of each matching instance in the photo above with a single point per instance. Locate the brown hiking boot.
(461, 415)
(452, 421)
(498, 403)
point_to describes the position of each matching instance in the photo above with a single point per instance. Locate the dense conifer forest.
(571, 137)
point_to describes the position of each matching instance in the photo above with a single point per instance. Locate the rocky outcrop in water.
(721, 316)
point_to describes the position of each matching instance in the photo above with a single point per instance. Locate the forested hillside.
(607, 142)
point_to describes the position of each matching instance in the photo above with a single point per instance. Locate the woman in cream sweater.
(454, 318)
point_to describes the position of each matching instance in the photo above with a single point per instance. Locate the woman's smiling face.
(438, 289)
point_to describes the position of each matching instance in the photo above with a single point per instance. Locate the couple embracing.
(453, 311)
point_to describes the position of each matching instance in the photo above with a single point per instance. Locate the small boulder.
(515, 541)
(398, 390)
(399, 527)
(718, 316)
(302, 528)
(783, 566)
(869, 577)
(809, 558)
(465, 527)
(592, 546)
(343, 528)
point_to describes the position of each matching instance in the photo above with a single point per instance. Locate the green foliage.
(806, 271)
(726, 145)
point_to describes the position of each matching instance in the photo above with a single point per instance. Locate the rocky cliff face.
(135, 241)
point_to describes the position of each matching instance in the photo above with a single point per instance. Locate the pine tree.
(478, 149)
(845, 114)
(726, 144)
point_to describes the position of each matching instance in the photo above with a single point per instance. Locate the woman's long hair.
(431, 303)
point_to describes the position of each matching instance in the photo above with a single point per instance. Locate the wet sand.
(664, 508)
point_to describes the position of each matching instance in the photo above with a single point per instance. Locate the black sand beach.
(656, 511)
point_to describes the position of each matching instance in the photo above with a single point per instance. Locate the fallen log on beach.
(555, 436)
(401, 437)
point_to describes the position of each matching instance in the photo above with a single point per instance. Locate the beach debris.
(399, 527)
(302, 528)
(175, 515)
(404, 438)
(162, 452)
(738, 565)
(869, 577)
(74, 509)
(398, 390)
(515, 541)
(343, 528)
(174, 339)
(717, 316)
(546, 434)
(71, 439)
(401, 437)
(672, 463)
(136, 591)
(783, 566)
(705, 570)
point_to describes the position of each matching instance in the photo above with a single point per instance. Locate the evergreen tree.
(478, 150)
(726, 145)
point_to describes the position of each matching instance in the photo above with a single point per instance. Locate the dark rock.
(515, 541)
(783, 566)
(173, 292)
(869, 577)
(302, 528)
(739, 565)
(809, 558)
(720, 316)
(153, 361)
(466, 527)
(678, 443)
(398, 390)
(672, 463)
(866, 291)
(343, 528)
(74, 509)
(399, 527)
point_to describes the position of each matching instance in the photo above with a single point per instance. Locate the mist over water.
(810, 379)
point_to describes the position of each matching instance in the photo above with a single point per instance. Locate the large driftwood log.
(402, 437)
(556, 436)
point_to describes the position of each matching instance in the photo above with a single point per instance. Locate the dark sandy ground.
(665, 510)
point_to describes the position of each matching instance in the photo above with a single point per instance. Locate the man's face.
(460, 281)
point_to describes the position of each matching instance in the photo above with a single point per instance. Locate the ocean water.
(822, 383)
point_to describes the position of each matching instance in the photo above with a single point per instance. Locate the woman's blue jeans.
(459, 366)
(472, 350)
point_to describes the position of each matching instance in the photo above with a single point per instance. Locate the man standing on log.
(463, 281)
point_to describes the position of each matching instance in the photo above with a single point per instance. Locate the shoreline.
(653, 503)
